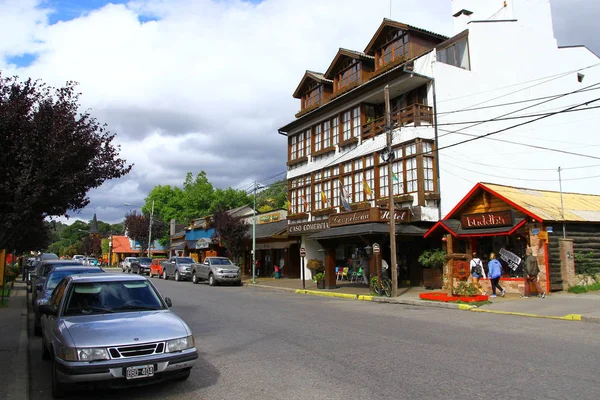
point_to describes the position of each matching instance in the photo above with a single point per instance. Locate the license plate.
(140, 371)
(232, 276)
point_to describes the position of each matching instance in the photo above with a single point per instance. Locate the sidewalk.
(565, 306)
(13, 345)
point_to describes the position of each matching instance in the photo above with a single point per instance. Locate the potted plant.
(432, 262)
(315, 266)
(319, 279)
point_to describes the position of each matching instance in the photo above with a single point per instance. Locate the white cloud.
(205, 86)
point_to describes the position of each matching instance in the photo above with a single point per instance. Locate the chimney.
(461, 19)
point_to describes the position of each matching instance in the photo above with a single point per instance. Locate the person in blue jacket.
(494, 273)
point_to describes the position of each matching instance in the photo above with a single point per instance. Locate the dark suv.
(141, 265)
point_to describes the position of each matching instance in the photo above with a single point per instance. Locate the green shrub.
(584, 289)
(586, 263)
(466, 289)
(432, 258)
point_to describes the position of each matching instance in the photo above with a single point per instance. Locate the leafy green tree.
(225, 199)
(273, 197)
(52, 155)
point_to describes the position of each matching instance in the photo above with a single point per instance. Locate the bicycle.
(382, 285)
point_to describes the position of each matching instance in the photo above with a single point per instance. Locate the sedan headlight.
(180, 344)
(82, 354)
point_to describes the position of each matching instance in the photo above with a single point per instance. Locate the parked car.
(41, 271)
(91, 261)
(156, 268)
(35, 264)
(217, 270)
(55, 275)
(79, 257)
(179, 268)
(127, 263)
(141, 265)
(113, 329)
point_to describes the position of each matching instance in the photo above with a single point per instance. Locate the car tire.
(239, 283)
(58, 388)
(45, 352)
(194, 278)
(211, 280)
(177, 277)
(165, 277)
(37, 327)
(184, 376)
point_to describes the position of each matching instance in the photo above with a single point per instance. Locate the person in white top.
(477, 271)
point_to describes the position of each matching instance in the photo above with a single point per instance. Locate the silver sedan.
(113, 330)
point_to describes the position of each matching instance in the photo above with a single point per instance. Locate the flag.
(395, 177)
(303, 201)
(367, 188)
(344, 197)
(324, 198)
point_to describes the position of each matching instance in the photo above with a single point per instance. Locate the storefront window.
(515, 244)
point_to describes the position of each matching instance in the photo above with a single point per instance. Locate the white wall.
(513, 62)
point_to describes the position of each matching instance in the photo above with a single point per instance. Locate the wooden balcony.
(417, 114)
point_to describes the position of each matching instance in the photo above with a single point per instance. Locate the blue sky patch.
(23, 60)
(66, 10)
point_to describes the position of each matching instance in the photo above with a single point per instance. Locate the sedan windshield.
(145, 260)
(103, 297)
(221, 261)
(56, 276)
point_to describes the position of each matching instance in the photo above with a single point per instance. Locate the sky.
(204, 85)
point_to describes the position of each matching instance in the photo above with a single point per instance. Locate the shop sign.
(353, 217)
(308, 227)
(302, 252)
(510, 258)
(401, 216)
(487, 220)
(202, 243)
(265, 219)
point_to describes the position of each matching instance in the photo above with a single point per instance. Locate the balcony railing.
(417, 114)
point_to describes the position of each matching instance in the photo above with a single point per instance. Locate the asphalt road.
(257, 344)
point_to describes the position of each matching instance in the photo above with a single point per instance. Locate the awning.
(178, 246)
(372, 228)
(454, 227)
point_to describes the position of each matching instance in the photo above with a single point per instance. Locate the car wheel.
(194, 277)
(37, 327)
(45, 351)
(58, 389)
(239, 283)
(211, 280)
(165, 277)
(177, 278)
(183, 376)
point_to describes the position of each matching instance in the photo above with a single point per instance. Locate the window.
(335, 131)
(308, 144)
(349, 74)
(411, 175)
(318, 138)
(395, 48)
(300, 195)
(346, 125)
(428, 167)
(313, 96)
(301, 145)
(356, 122)
(457, 54)
(351, 124)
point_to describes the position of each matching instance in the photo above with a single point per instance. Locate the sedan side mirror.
(47, 309)
(168, 301)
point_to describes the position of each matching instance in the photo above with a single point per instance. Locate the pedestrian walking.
(531, 270)
(477, 271)
(495, 272)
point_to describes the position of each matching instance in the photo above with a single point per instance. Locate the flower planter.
(441, 296)
(432, 278)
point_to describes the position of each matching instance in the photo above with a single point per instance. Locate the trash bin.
(276, 274)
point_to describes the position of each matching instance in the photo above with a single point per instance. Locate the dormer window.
(313, 96)
(349, 74)
(395, 48)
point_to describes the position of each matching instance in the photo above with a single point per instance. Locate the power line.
(525, 123)
(525, 108)
(519, 169)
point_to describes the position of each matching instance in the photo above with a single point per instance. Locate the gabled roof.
(120, 244)
(389, 24)
(310, 75)
(345, 53)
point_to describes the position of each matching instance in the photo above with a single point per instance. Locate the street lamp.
(149, 225)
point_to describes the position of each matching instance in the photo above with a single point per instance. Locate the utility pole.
(388, 122)
(254, 237)
(562, 206)
(150, 229)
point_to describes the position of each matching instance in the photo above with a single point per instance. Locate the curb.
(424, 303)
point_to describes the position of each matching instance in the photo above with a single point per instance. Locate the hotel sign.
(487, 220)
(400, 216)
(307, 227)
(354, 217)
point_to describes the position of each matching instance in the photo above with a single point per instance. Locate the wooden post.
(330, 277)
(388, 121)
